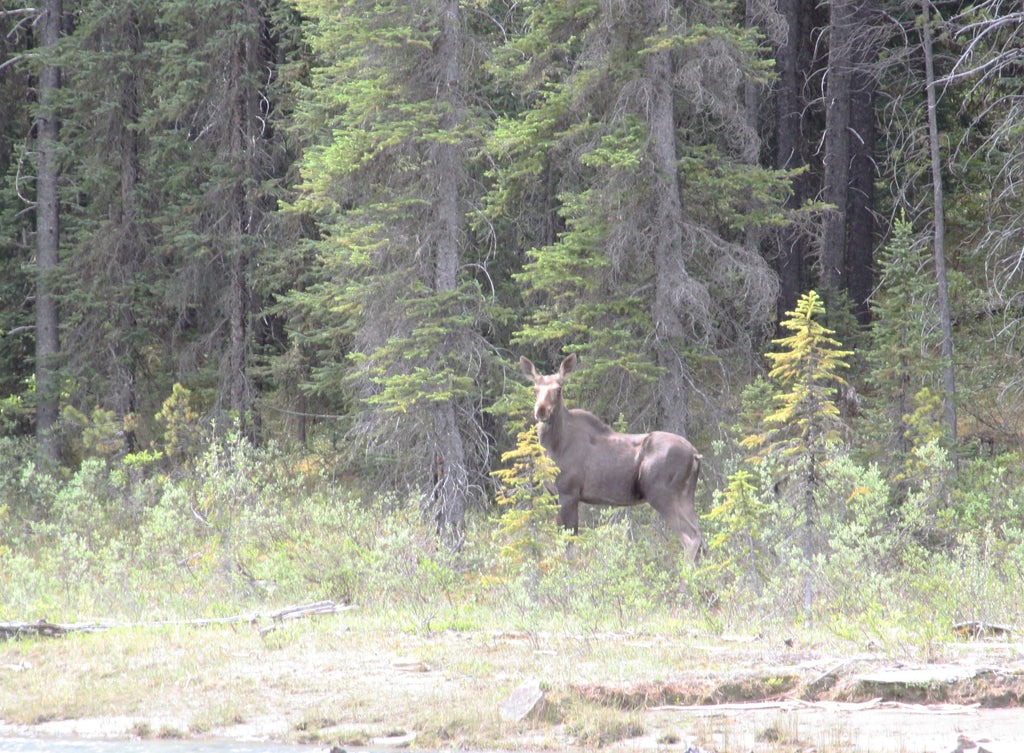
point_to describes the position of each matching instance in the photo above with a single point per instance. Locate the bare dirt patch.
(332, 682)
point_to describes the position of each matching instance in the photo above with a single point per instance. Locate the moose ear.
(529, 370)
(567, 365)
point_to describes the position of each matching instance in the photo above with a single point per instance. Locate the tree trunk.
(47, 240)
(860, 206)
(832, 272)
(243, 137)
(452, 482)
(130, 248)
(792, 63)
(945, 315)
(669, 261)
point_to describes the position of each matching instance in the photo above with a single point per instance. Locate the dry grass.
(355, 682)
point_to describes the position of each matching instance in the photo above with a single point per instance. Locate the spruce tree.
(904, 357)
(635, 146)
(388, 178)
(16, 278)
(113, 325)
(805, 427)
(172, 164)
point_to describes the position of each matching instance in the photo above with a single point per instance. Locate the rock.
(525, 699)
(396, 740)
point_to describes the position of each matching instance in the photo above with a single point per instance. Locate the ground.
(332, 682)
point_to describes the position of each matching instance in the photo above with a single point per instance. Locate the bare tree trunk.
(945, 315)
(837, 153)
(860, 206)
(669, 261)
(792, 63)
(47, 240)
(452, 483)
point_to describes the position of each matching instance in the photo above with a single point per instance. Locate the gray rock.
(525, 699)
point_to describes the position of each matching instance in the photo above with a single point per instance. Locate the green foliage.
(808, 366)
(740, 519)
(15, 413)
(527, 535)
(101, 433)
(801, 432)
(578, 175)
(183, 436)
(903, 356)
(251, 528)
(391, 318)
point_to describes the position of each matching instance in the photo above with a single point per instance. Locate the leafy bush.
(255, 528)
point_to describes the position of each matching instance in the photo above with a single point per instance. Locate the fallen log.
(46, 629)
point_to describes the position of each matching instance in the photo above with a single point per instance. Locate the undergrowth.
(241, 528)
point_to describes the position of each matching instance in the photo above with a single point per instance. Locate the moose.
(601, 466)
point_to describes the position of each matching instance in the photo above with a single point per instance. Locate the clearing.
(334, 681)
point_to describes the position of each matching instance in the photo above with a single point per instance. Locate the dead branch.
(46, 629)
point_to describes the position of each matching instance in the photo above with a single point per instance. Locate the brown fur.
(601, 466)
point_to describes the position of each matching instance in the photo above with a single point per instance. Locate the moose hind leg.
(681, 518)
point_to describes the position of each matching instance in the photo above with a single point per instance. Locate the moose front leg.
(569, 513)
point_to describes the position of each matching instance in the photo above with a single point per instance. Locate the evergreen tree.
(389, 180)
(803, 429)
(172, 164)
(112, 326)
(904, 337)
(16, 282)
(220, 160)
(636, 130)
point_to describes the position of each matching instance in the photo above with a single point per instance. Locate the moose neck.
(551, 433)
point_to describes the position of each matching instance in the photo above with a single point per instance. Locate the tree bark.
(832, 259)
(452, 476)
(945, 315)
(669, 261)
(860, 200)
(243, 139)
(47, 240)
(793, 61)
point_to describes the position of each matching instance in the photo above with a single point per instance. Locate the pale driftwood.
(920, 676)
(46, 629)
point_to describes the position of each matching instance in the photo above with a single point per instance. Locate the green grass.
(248, 531)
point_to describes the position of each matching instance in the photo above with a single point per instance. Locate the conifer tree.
(173, 165)
(527, 530)
(904, 342)
(802, 431)
(113, 326)
(388, 179)
(16, 278)
(635, 134)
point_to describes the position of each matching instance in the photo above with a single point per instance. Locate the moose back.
(602, 466)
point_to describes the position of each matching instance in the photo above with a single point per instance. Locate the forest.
(326, 230)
